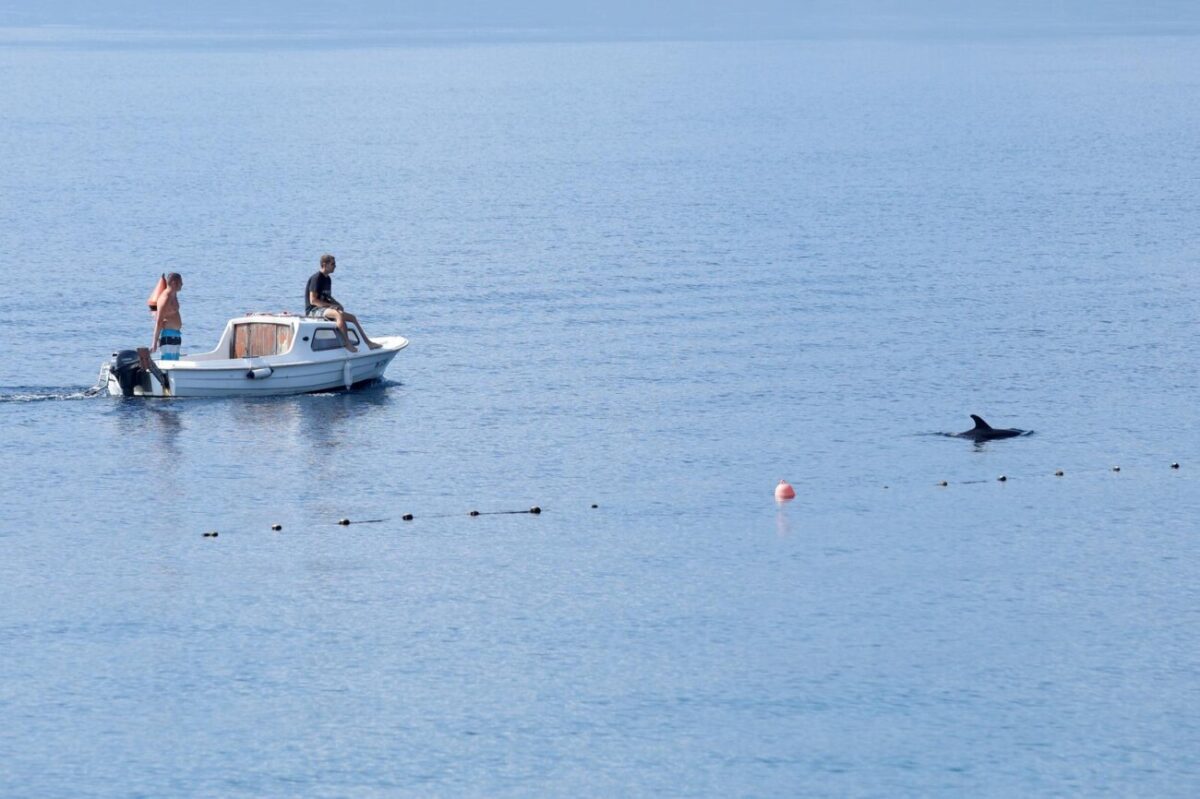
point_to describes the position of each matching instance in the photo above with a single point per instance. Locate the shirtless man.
(320, 304)
(168, 324)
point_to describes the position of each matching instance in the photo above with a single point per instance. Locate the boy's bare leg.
(340, 318)
(354, 320)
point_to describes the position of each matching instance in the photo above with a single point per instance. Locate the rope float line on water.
(785, 493)
(408, 517)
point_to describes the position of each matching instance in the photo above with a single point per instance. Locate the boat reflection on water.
(313, 426)
(241, 432)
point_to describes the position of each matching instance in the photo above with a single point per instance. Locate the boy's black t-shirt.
(319, 284)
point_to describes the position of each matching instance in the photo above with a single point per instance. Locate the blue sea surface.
(643, 282)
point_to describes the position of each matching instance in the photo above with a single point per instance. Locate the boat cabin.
(263, 335)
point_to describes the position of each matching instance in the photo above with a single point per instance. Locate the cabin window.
(327, 338)
(256, 339)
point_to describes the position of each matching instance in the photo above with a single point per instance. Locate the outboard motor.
(125, 366)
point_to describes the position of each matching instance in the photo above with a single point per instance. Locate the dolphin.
(982, 431)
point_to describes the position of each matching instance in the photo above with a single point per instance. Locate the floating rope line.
(408, 517)
(1004, 478)
(536, 509)
(868, 482)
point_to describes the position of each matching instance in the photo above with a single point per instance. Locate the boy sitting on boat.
(320, 304)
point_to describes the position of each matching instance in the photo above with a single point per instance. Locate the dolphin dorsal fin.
(980, 424)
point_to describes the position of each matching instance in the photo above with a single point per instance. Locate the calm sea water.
(653, 277)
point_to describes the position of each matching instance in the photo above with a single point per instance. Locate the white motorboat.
(259, 354)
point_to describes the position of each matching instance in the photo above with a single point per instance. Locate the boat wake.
(47, 393)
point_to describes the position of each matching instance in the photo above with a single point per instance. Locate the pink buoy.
(784, 492)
